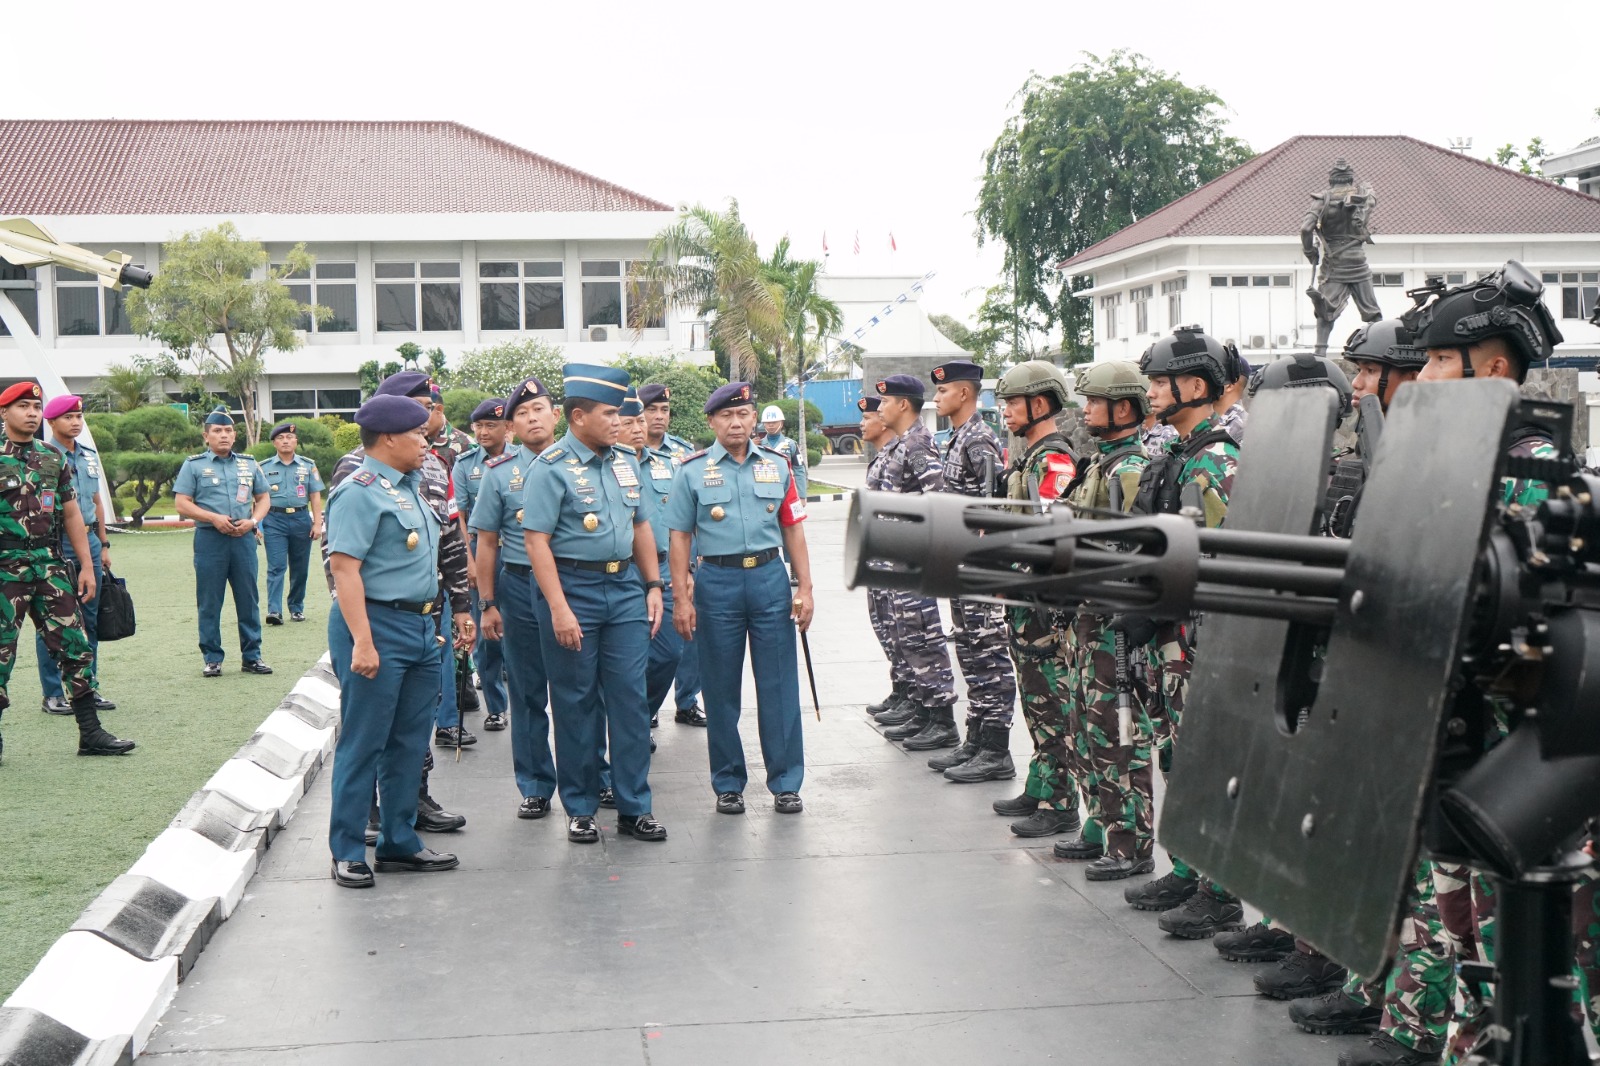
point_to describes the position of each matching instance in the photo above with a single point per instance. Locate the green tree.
(708, 262)
(124, 386)
(410, 353)
(497, 369)
(146, 477)
(369, 378)
(1528, 161)
(1085, 154)
(437, 368)
(808, 317)
(157, 429)
(215, 283)
(691, 385)
(459, 405)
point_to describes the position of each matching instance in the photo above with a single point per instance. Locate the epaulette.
(497, 460)
(694, 455)
(363, 477)
(199, 455)
(550, 455)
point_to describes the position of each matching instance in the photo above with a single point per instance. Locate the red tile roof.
(115, 167)
(1421, 189)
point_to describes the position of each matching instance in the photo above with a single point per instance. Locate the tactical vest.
(1343, 495)
(1159, 489)
(1099, 491)
(1019, 486)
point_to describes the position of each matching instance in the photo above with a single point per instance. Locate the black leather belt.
(11, 544)
(287, 510)
(408, 606)
(742, 562)
(603, 566)
(518, 569)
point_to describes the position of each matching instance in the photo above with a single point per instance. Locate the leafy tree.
(808, 316)
(124, 387)
(1528, 161)
(497, 369)
(691, 386)
(215, 283)
(147, 476)
(437, 370)
(708, 261)
(389, 370)
(158, 429)
(1085, 154)
(369, 378)
(460, 403)
(955, 332)
(410, 355)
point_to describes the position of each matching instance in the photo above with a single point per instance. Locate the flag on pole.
(892, 246)
(824, 242)
(858, 242)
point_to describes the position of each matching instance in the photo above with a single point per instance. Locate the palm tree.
(806, 314)
(125, 387)
(709, 262)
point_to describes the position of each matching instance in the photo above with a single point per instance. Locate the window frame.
(523, 281)
(418, 280)
(88, 281)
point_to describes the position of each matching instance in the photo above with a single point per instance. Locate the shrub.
(347, 439)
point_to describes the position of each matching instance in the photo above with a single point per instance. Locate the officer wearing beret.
(224, 493)
(507, 592)
(657, 401)
(37, 504)
(294, 520)
(736, 503)
(387, 642)
(659, 464)
(492, 431)
(65, 415)
(589, 541)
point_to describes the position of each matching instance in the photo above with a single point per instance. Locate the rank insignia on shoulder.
(363, 477)
(199, 455)
(694, 455)
(550, 455)
(504, 456)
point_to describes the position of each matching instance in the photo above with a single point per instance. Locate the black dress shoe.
(103, 704)
(787, 803)
(533, 807)
(608, 797)
(730, 803)
(274, 619)
(297, 616)
(432, 818)
(426, 861)
(1078, 849)
(254, 666)
(1047, 821)
(212, 670)
(1111, 868)
(583, 829)
(691, 715)
(494, 723)
(642, 827)
(352, 874)
(56, 705)
(454, 737)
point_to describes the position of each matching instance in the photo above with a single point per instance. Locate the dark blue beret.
(492, 408)
(631, 407)
(405, 383)
(901, 385)
(649, 394)
(957, 370)
(391, 414)
(281, 427)
(733, 394)
(592, 381)
(219, 417)
(868, 403)
(527, 389)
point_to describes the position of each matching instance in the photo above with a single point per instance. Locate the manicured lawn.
(70, 825)
(821, 488)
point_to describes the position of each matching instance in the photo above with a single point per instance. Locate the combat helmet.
(1505, 304)
(1304, 371)
(1190, 351)
(1034, 378)
(1116, 380)
(1388, 342)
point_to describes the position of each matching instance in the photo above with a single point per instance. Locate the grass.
(821, 488)
(69, 825)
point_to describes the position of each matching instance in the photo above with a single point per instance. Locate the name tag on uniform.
(243, 494)
(660, 471)
(47, 501)
(766, 472)
(711, 483)
(300, 491)
(625, 475)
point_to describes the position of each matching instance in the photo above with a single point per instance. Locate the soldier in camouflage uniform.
(1113, 743)
(971, 463)
(38, 502)
(911, 464)
(898, 706)
(1043, 469)
(1187, 372)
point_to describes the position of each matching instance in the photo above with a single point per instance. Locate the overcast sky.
(819, 117)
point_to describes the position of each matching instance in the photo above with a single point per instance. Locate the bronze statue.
(1341, 217)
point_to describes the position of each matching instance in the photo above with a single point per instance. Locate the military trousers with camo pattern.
(979, 634)
(1116, 779)
(880, 613)
(1042, 678)
(919, 639)
(1175, 656)
(35, 586)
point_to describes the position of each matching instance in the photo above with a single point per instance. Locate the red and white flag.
(858, 242)
(893, 247)
(824, 242)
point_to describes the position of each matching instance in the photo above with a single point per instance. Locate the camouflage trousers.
(1116, 780)
(980, 640)
(919, 640)
(1420, 992)
(38, 589)
(1042, 679)
(1467, 923)
(1586, 936)
(879, 612)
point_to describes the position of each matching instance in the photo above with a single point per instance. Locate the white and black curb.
(99, 992)
(830, 497)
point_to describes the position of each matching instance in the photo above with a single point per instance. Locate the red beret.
(22, 390)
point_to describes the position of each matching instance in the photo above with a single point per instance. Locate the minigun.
(1340, 707)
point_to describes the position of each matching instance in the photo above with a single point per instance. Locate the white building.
(1581, 164)
(428, 232)
(1228, 255)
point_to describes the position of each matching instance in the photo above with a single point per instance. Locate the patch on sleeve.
(1059, 473)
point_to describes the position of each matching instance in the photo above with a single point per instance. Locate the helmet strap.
(1466, 363)
(1383, 387)
(1181, 405)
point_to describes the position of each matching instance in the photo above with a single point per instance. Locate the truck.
(841, 418)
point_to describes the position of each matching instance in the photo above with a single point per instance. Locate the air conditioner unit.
(599, 333)
(1283, 340)
(1257, 341)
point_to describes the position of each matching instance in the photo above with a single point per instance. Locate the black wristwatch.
(484, 605)
(657, 584)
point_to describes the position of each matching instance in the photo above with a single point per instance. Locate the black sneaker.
(1078, 850)
(583, 830)
(1255, 943)
(297, 616)
(533, 807)
(274, 619)
(1300, 976)
(1334, 1014)
(212, 670)
(1201, 915)
(1111, 868)
(608, 797)
(730, 803)
(494, 723)
(454, 737)
(690, 715)
(1384, 1050)
(787, 803)
(641, 827)
(254, 666)
(1047, 821)
(1162, 894)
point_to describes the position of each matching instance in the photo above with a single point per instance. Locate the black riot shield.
(1305, 799)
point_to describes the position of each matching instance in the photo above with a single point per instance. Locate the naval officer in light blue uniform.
(737, 504)
(293, 521)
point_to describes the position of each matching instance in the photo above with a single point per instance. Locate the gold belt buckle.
(750, 562)
(613, 566)
(427, 608)
(290, 510)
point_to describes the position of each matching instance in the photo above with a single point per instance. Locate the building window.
(1388, 281)
(520, 296)
(26, 299)
(332, 285)
(418, 297)
(1219, 281)
(1455, 277)
(1140, 299)
(1173, 290)
(602, 294)
(1249, 281)
(1109, 305)
(85, 309)
(309, 403)
(1580, 291)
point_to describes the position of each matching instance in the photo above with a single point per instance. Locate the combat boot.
(992, 763)
(1300, 975)
(1047, 821)
(1162, 894)
(901, 710)
(1335, 1013)
(1201, 915)
(911, 726)
(896, 694)
(1017, 807)
(940, 732)
(967, 749)
(1257, 943)
(1384, 1050)
(92, 738)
